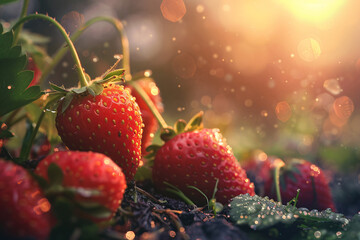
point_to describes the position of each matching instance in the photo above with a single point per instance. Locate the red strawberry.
(197, 158)
(41, 148)
(24, 209)
(109, 123)
(150, 123)
(37, 73)
(258, 169)
(89, 170)
(309, 178)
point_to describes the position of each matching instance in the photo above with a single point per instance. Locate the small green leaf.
(167, 134)
(58, 88)
(95, 89)
(117, 73)
(261, 213)
(195, 122)
(66, 102)
(55, 174)
(179, 126)
(79, 90)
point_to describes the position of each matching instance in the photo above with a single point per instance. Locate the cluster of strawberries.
(107, 135)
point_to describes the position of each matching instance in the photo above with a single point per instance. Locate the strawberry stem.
(277, 181)
(75, 36)
(22, 14)
(82, 77)
(149, 103)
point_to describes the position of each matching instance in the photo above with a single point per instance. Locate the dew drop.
(95, 59)
(9, 87)
(65, 64)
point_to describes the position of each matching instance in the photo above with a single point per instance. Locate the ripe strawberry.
(258, 169)
(197, 158)
(41, 148)
(37, 73)
(89, 170)
(309, 178)
(150, 123)
(108, 123)
(24, 209)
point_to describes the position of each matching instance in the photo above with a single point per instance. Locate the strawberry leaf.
(167, 134)
(14, 82)
(179, 126)
(261, 213)
(58, 88)
(195, 122)
(117, 73)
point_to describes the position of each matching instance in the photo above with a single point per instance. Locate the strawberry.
(41, 148)
(150, 123)
(108, 123)
(198, 157)
(258, 169)
(300, 174)
(24, 209)
(37, 72)
(91, 171)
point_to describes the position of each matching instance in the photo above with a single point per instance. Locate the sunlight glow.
(313, 10)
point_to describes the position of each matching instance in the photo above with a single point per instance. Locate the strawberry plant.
(99, 161)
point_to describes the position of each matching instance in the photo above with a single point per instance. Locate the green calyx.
(95, 87)
(180, 126)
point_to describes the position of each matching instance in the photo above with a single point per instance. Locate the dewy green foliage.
(14, 81)
(260, 213)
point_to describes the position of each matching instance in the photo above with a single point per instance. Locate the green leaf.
(14, 82)
(179, 126)
(66, 102)
(6, 1)
(167, 134)
(95, 89)
(58, 88)
(26, 142)
(55, 174)
(195, 122)
(117, 73)
(352, 230)
(261, 213)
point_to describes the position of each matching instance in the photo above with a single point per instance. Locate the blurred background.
(277, 75)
